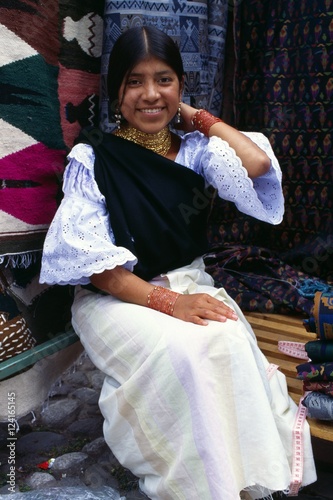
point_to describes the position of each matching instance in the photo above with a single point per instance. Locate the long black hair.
(132, 47)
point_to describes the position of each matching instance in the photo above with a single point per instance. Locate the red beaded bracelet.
(203, 120)
(162, 300)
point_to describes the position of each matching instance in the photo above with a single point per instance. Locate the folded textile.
(319, 405)
(324, 387)
(310, 324)
(323, 315)
(315, 371)
(321, 321)
(319, 350)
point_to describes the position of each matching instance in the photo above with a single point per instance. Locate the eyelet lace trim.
(80, 241)
(261, 198)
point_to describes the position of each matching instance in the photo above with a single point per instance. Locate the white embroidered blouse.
(80, 241)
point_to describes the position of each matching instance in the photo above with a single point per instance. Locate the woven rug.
(49, 86)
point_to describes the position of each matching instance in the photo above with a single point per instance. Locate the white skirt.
(189, 409)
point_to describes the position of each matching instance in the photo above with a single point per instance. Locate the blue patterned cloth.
(198, 28)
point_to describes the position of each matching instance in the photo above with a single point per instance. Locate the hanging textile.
(283, 87)
(198, 28)
(49, 86)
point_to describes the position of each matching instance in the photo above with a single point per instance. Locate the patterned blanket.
(49, 86)
(284, 88)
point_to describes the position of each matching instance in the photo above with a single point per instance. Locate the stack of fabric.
(317, 373)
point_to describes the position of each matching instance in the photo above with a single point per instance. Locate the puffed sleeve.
(80, 241)
(261, 197)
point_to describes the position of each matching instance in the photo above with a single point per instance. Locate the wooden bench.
(269, 329)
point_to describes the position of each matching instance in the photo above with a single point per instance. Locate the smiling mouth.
(151, 111)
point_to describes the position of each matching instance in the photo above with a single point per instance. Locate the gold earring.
(178, 115)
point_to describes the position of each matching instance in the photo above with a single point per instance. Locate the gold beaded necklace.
(159, 143)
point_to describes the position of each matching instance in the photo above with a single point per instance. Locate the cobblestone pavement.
(60, 452)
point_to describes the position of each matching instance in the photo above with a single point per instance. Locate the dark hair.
(133, 46)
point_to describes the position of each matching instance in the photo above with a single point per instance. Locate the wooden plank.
(292, 330)
(292, 319)
(295, 396)
(269, 336)
(295, 385)
(321, 429)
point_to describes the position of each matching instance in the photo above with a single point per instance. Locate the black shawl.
(158, 209)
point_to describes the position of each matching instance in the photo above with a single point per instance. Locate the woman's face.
(150, 95)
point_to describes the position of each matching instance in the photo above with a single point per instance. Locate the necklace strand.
(159, 143)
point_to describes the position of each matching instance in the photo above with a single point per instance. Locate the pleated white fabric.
(189, 409)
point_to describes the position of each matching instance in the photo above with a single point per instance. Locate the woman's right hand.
(254, 159)
(200, 307)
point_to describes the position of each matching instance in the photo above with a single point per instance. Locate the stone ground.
(60, 452)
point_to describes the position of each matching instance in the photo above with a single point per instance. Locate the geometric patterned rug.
(50, 56)
(29, 162)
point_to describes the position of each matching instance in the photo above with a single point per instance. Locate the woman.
(188, 405)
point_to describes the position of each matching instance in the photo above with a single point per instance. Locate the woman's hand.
(252, 157)
(197, 308)
(201, 307)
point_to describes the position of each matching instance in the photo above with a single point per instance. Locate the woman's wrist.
(202, 121)
(162, 299)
